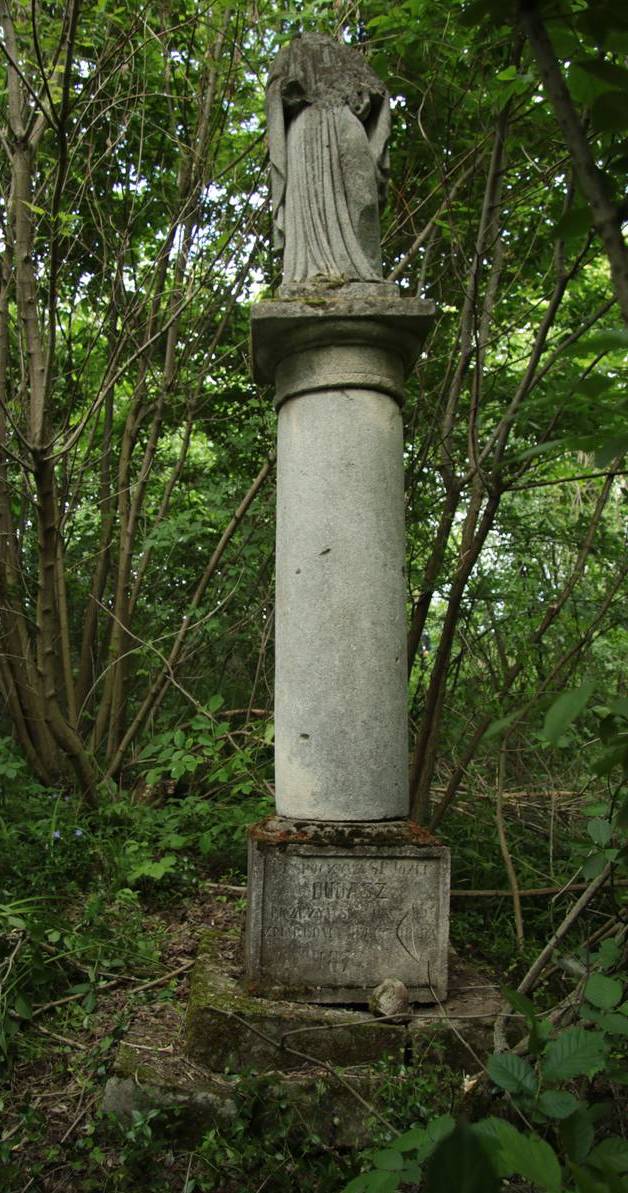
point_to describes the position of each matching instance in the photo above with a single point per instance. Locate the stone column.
(343, 890)
(341, 749)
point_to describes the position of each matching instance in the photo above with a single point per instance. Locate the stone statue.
(328, 127)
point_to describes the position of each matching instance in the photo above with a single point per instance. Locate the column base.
(335, 908)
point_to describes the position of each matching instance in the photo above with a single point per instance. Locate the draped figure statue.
(328, 129)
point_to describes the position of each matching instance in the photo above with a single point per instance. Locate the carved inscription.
(328, 921)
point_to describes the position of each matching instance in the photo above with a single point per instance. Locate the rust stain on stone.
(421, 834)
(275, 830)
(266, 831)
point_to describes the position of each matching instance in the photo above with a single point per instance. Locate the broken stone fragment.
(389, 998)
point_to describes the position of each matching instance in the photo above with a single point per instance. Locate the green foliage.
(561, 1148)
(149, 470)
(477, 1157)
(149, 846)
(565, 710)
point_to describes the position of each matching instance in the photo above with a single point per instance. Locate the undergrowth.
(90, 909)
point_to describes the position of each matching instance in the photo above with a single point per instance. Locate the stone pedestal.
(338, 364)
(189, 1068)
(334, 909)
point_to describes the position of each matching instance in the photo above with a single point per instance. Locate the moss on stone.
(230, 1029)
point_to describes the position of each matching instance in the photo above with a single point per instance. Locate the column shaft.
(340, 680)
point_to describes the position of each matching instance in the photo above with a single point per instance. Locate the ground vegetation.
(136, 553)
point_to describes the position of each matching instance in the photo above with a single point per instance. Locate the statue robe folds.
(328, 125)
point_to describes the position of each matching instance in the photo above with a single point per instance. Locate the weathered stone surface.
(341, 741)
(307, 1103)
(328, 121)
(228, 1030)
(154, 1070)
(335, 909)
(461, 1030)
(389, 998)
(350, 337)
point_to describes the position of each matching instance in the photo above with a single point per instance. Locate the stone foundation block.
(334, 909)
(153, 1072)
(229, 1031)
(165, 1065)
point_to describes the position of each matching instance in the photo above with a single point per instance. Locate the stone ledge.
(393, 326)
(229, 1030)
(225, 1025)
(282, 830)
(156, 1068)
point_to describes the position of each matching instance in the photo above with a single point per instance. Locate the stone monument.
(344, 891)
(347, 899)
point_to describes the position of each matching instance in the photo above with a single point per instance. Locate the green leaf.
(475, 12)
(415, 1138)
(612, 339)
(573, 223)
(440, 1128)
(608, 954)
(557, 1103)
(603, 992)
(154, 870)
(609, 113)
(600, 808)
(593, 865)
(423, 1140)
(461, 1163)
(585, 1182)
(607, 72)
(22, 1007)
(373, 1182)
(521, 1155)
(388, 1160)
(565, 710)
(609, 759)
(594, 385)
(381, 1182)
(611, 1155)
(536, 1161)
(497, 727)
(512, 1072)
(613, 1023)
(574, 1053)
(89, 1002)
(356, 1185)
(519, 1002)
(611, 449)
(600, 831)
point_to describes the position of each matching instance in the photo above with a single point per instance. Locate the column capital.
(308, 344)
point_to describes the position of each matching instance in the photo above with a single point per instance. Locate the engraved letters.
(340, 907)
